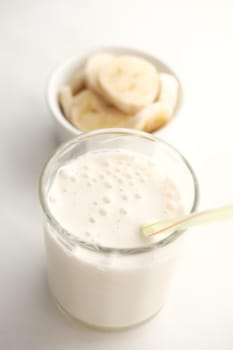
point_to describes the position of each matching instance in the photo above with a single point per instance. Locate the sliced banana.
(77, 83)
(152, 117)
(123, 91)
(129, 82)
(65, 100)
(168, 91)
(92, 68)
(89, 112)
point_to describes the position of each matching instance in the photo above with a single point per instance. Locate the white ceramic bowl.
(62, 75)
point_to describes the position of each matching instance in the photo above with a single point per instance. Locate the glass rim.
(73, 240)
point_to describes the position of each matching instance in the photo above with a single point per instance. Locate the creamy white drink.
(103, 198)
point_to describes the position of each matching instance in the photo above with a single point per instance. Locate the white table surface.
(195, 38)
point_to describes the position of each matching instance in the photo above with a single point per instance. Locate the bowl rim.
(52, 98)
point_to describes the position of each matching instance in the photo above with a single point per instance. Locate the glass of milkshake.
(96, 192)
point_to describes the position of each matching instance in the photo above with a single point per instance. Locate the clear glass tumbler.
(106, 287)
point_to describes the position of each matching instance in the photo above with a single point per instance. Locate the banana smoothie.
(101, 268)
(105, 197)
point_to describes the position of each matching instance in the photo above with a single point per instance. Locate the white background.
(195, 38)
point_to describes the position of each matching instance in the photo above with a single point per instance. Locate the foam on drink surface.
(105, 197)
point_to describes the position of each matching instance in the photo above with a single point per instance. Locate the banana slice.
(92, 68)
(168, 91)
(157, 114)
(77, 83)
(152, 117)
(65, 100)
(130, 83)
(89, 112)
